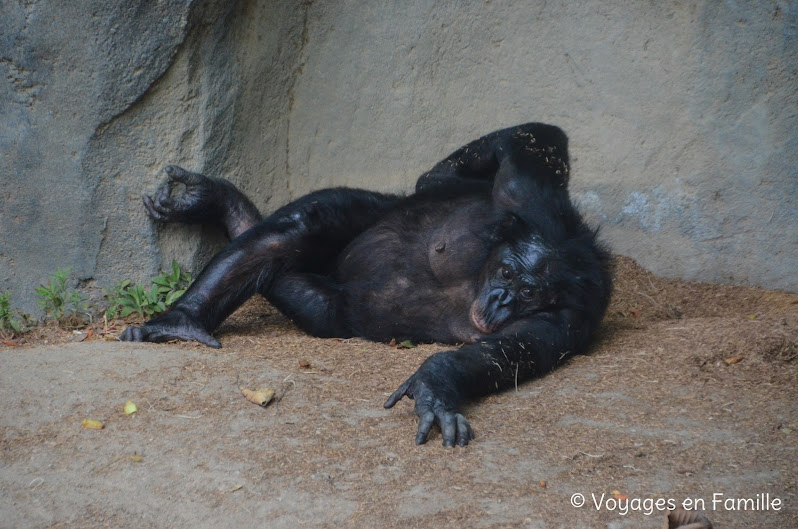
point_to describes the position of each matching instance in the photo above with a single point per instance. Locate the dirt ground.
(689, 393)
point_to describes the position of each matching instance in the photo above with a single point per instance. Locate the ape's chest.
(416, 277)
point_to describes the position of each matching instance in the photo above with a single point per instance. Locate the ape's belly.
(414, 276)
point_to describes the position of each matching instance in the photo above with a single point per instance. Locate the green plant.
(61, 303)
(172, 286)
(126, 299)
(9, 325)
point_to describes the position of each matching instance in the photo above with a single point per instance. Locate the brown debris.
(261, 396)
(680, 518)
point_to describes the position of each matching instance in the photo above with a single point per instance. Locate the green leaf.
(173, 296)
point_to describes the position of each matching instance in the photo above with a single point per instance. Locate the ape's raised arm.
(536, 149)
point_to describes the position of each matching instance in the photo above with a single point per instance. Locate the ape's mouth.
(478, 321)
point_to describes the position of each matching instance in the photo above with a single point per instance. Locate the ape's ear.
(513, 190)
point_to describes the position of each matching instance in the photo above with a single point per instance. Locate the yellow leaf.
(130, 407)
(93, 424)
(261, 396)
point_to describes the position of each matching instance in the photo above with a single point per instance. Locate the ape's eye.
(527, 293)
(506, 273)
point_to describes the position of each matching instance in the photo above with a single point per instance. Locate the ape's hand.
(195, 205)
(171, 325)
(433, 407)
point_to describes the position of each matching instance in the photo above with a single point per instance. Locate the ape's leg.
(536, 149)
(285, 257)
(205, 199)
(314, 302)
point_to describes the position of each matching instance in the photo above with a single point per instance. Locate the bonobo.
(488, 252)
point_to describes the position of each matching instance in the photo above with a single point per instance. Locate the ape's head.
(538, 256)
(515, 282)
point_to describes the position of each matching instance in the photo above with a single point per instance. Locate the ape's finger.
(161, 333)
(425, 421)
(205, 338)
(397, 395)
(151, 211)
(175, 172)
(448, 428)
(464, 431)
(132, 334)
(179, 174)
(161, 198)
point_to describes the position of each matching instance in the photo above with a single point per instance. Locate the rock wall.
(99, 96)
(683, 119)
(682, 116)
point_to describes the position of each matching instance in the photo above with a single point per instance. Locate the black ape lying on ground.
(489, 252)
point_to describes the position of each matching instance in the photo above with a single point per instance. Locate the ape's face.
(515, 282)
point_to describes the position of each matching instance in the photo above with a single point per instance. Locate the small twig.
(649, 297)
(288, 384)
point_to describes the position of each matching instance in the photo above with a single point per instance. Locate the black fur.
(489, 252)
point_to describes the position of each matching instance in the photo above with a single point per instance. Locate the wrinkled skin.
(489, 252)
(431, 408)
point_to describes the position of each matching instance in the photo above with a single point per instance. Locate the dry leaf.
(78, 336)
(618, 496)
(542, 484)
(304, 364)
(733, 360)
(10, 343)
(136, 459)
(93, 424)
(89, 333)
(392, 343)
(261, 396)
(634, 312)
(680, 518)
(130, 407)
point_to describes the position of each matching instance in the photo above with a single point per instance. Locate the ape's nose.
(500, 297)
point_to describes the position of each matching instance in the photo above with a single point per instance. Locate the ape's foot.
(197, 203)
(171, 325)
